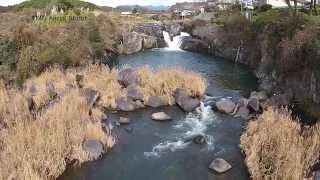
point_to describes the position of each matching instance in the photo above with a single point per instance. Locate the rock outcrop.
(226, 106)
(94, 149)
(186, 102)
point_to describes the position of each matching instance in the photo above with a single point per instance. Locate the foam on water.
(195, 123)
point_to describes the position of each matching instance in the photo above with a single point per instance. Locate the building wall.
(277, 3)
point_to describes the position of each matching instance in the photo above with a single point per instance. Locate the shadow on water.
(157, 151)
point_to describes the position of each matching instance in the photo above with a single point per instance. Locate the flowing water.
(176, 42)
(161, 151)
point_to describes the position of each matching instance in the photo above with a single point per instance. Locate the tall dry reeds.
(39, 146)
(165, 82)
(276, 147)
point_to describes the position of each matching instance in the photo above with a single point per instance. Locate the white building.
(126, 13)
(280, 3)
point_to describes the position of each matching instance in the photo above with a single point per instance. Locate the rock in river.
(161, 116)
(226, 106)
(243, 113)
(125, 104)
(156, 101)
(123, 120)
(220, 165)
(94, 149)
(185, 102)
(199, 139)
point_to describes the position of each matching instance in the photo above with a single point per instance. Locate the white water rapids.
(176, 42)
(195, 123)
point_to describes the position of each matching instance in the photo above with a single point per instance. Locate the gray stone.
(94, 149)
(161, 116)
(90, 95)
(128, 77)
(226, 106)
(243, 113)
(254, 104)
(128, 129)
(261, 95)
(125, 104)
(139, 104)
(156, 101)
(134, 92)
(117, 123)
(185, 102)
(123, 120)
(220, 165)
(199, 139)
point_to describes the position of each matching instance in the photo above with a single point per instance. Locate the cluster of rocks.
(135, 99)
(245, 108)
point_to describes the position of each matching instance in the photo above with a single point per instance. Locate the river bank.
(284, 64)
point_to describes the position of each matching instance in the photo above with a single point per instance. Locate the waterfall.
(176, 42)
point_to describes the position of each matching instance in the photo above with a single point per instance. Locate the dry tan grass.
(277, 148)
(37, 148)
(165, 82)
(53, 76)
(104, 80)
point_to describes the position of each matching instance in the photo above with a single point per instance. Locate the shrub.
(294, 51)
(7, 53)
(276, 147)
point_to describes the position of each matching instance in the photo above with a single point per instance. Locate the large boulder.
(134, 92)
(243, 112)
(149, 42)
(261, 95)
(186, 102)
(139, 104)
(125, 104)
(90, 95)
(94, 149)
(161, 116)
(124, 120)
(128, 77)
(254, 104)
(132, 43)
(156, 101)
(225, 106)
(220, 165)
(199, 139)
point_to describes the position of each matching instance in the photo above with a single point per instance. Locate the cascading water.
(176, 42)
(196, 123)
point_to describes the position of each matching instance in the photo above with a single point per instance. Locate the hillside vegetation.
(29, 48)
(64, 4)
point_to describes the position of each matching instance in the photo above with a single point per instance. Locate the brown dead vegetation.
(277, 147)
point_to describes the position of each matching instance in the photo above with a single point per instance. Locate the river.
(157, 151)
